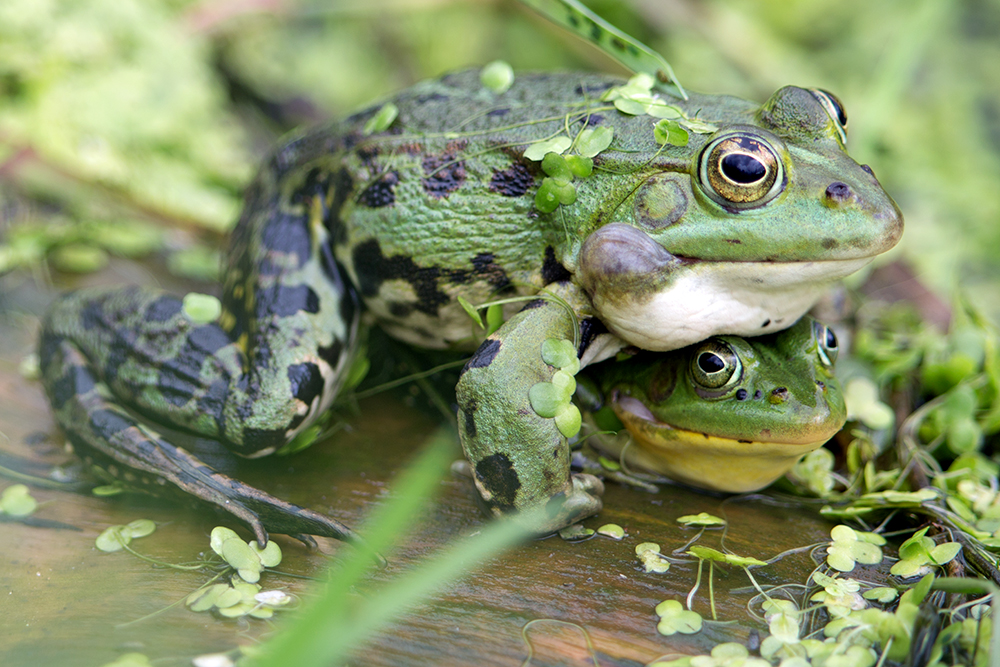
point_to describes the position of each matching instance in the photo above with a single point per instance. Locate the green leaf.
(494, 318)
(201, 308)
(581, 167)
(881, 594)
(270, 556)
(675, 619)
(242, 558)
(568, 420)
(130, 660)
(612, 530)
(670, 132)
(382, 119)
(559, 353)
(544, 399)
(17, 501)
(630, 106)
(139, 528)
(205, 598)
(471, 311)
(943, 553)
(113, 539)
(707, 553)
(79, 258)
(594, 140)
(219, 535)
(498, 76)
(701, 519)
(540, 149)
(555, 166)
(547, 197)
(660, 109)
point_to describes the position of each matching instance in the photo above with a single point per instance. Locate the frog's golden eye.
(715, 365)
(741, 171)
(826, 343)
(835, 108)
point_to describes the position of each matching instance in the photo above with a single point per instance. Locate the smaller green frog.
(727, 414)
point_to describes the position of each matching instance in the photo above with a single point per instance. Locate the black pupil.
(743, 168)
(831, 340)
(710, 362)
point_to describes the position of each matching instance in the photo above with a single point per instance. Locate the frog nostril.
(838, 192)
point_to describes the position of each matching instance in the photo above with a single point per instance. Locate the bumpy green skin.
(441, 205)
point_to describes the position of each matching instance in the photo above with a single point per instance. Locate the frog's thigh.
(520, 459)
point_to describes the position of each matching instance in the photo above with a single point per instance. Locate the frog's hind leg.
(520, 459)
(176, 370)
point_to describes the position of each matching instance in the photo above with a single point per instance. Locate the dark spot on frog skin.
(341, 190)
(288, 234)
(594, 88)
(469, 418)
(590, 328)
(432, 97)
(497, 476)
(283, 301)
(443, 173)
(314, 184)
(594, 120)
(734, 241)
(766, 323)
(744, 442)
(537, 303)
(485, 266)
(838, 193)
(513, 181)
(484, 356)
(257, 439)
(820, 384)
(552, 270)
(213, 402)
(373, 268)
(306, 381)
(496, 113)
(757, 394)
(381, 192)
(92, 314)
(76, 381)
(780, 392)
(107, 423)
(331, 353)
(741, 394)
(163, 308)
(829, 243)
(179, 378)
(399, 309)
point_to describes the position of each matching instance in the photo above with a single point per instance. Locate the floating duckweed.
(649, 556)
(881, 594)
(198, 262)
(850, 546)
(594, 140)
(707, 553)
(670, 132)
(612, 530)
(498, 76)
(247, 558)
(560, 353)
(382, 119)
(701, 519)
(674, 618)
(919, 553)
(17, 501)
(116, 538)
(863, 404)
(201, 308)
(576, 533)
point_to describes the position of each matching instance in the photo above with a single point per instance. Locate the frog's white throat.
(715, 298)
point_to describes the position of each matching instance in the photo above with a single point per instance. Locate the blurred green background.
(115, 114)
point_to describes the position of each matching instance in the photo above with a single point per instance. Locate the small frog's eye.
(826, 342)
(835, 108)
(715, 365)
(741, 171)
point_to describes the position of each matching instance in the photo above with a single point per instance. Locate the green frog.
(728, 414)
(405, 213)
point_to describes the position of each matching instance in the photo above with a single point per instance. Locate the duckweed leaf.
(649, 556)
(540, 149)
(863, 404)
(700, 519)
(139, 528)
(79, 258)
(707, 553)
(113, 539)
(850, 547)
(670, 132)
(17, 501)
(569, 420)
(580, 167)
(674, 618)
(205, 598)
(612, 530)
(555, 166)
(559, 353)
(576, 533)
(219, 535)
(273, 598)
(270, 556)
(201, 308)
(242, 558)
(643, 547)
(382, 119)
(881, 594)
(545, 400)
(498, 76)
(594, 140)
(494, 318)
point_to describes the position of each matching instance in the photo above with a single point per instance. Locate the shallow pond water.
(63, 602)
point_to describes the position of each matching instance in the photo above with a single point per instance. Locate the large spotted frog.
(727, 414)
(395, 213)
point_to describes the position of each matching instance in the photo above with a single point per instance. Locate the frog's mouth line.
(644, 425)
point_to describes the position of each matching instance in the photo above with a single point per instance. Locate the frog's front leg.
(520, 459)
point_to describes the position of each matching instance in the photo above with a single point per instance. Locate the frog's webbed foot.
(520, 458)
(105, 434)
